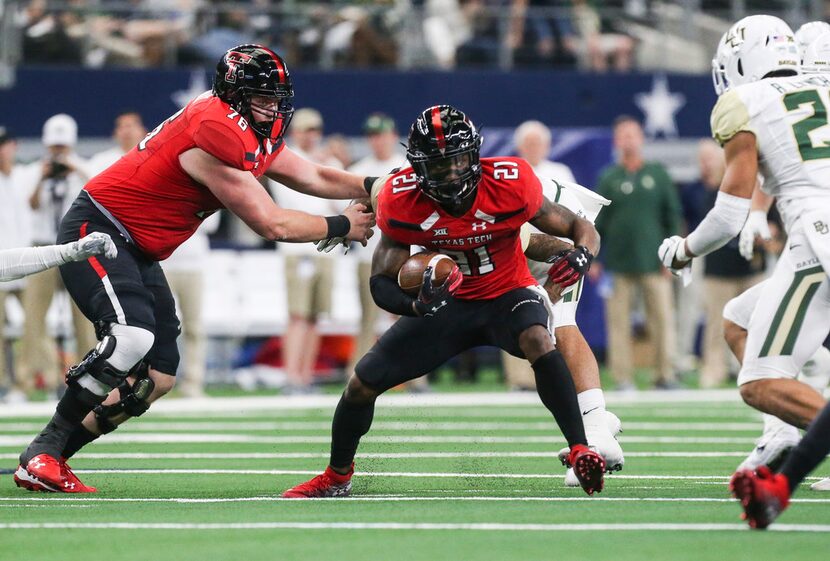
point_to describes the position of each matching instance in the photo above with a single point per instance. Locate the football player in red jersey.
(471, 209)
(206, 157)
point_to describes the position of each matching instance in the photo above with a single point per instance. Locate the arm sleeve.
(388, 295)
(18, 263)
(729, 117)
(721, 224)
(224, 143)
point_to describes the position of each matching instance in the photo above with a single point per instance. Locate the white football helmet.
(753, 48)
(808, 33)
(816, 57)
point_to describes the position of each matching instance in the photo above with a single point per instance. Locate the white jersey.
(789, 119)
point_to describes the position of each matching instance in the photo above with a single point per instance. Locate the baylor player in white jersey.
(771, 119)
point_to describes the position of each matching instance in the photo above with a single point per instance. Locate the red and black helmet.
(443, 148)
(253, 70)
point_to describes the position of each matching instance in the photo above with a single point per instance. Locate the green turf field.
(467, 479)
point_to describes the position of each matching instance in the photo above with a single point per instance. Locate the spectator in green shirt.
(644, 209)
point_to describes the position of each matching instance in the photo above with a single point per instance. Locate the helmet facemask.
(450, 179)
(278, 112)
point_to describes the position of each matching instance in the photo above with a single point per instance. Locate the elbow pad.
(388, 295)
(720, 225)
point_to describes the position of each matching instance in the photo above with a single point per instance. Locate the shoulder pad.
(729, 117)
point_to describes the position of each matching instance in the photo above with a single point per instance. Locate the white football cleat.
(823, 485)
(771, 449)
(604, 441)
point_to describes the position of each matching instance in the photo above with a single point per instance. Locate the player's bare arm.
(543, 246)
(242, 194)
(557, 220)
(313, 179)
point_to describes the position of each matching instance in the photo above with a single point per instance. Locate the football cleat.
(603, 441)
(46, 471)
(763, 494)
(771, 449)
(327, 484)
(24, 479)
(71, 483)
(823, 485)
(589, 468)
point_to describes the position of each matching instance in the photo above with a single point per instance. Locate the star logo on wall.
(659, 107)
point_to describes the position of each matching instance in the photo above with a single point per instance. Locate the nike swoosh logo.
(589, 410)
(795, 246)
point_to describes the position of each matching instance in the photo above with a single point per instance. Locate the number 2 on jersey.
(803, 128)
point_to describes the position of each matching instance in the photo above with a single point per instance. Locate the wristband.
(338, 226)
(368, 181)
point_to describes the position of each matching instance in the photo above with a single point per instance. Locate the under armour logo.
(440, 305)
(68, 485)
(479, 225)
(38, 464)
(821, 227)
(581, 260)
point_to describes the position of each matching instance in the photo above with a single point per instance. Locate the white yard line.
(38, 501)
(231, 438)
(416, 426)
(421, 526)
(249, 404)
(368, 455)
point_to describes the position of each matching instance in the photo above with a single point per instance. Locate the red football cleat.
(764, 495)
(589, 468)
(71, 483)
(24, 479)
(44, 470)
(327, 484)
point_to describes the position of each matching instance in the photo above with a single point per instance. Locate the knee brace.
(107, 365)
(132, 399)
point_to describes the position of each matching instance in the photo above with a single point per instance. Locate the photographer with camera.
(57, 180)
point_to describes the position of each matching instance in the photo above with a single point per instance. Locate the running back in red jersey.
(150, 194)
(485, 241)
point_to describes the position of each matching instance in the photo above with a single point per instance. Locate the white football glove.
(673, 248)
(756, 226)
(326, 245)
(95, 243)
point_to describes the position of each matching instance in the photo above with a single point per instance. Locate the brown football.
(412, 272)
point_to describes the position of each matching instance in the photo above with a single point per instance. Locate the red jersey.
(149, 193)
(485, 241)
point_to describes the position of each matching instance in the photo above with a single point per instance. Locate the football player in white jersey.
(808, 33)
(778, 437)
(601, 426)
(767, 117)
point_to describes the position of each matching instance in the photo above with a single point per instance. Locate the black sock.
(79, 438)
(555, 386)
(75, 404)
(810, 452)
(351, 421)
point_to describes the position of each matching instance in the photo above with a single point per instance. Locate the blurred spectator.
(727, 274)
(445, 28)
(598, 47)
(382, 137)
(355, 39)
(308, 274)
(337, 147)
(232, 28)
(484, 43)
(15, 231)
(128, 131)
(533, 140)
(541, 33)
(644, 209)
(185, 272)
(58, 179)
(46, 37)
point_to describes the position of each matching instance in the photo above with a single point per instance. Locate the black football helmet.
(253, 70)
(443, 148)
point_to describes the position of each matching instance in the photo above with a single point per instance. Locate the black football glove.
(568, 266)
(432, 298)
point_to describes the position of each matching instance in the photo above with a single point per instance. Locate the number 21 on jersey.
(474, 262)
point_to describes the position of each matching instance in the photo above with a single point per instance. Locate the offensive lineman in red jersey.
(206, 157)
(472, 210)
